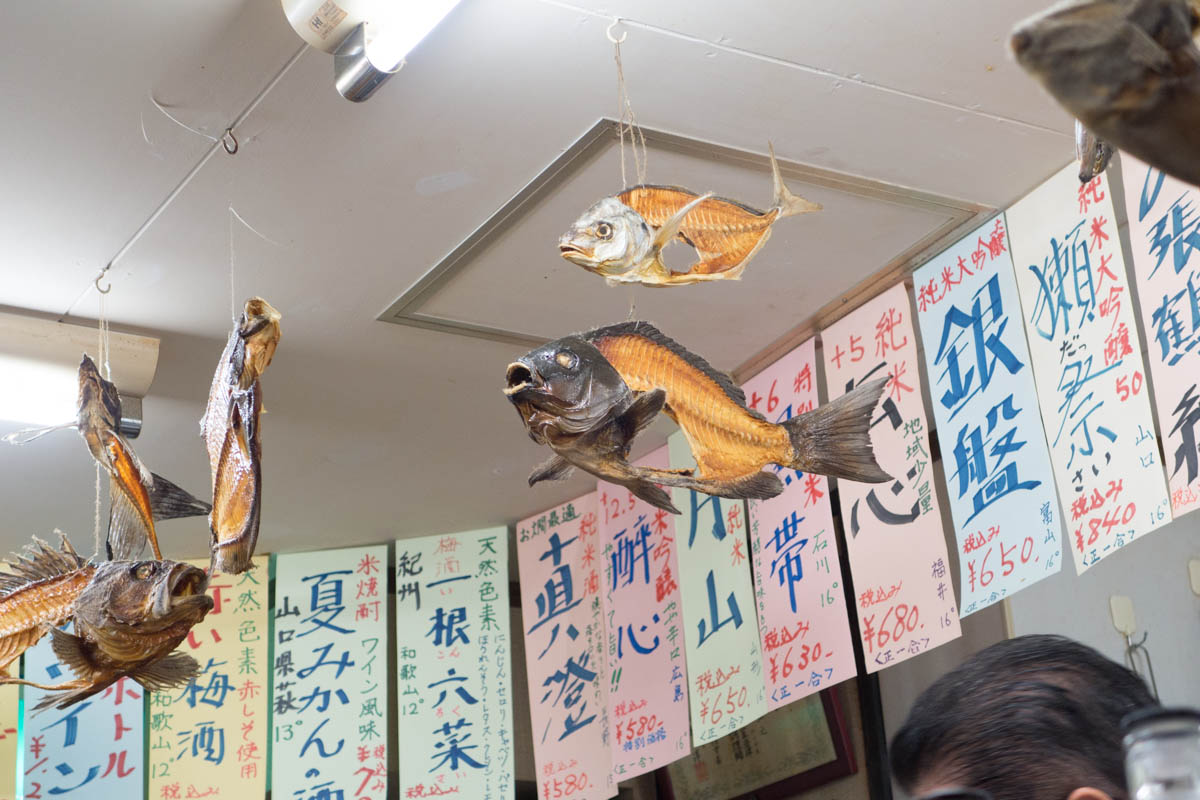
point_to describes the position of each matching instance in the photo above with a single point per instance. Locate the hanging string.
(96, 519)
(626, 119)
(168, 115)
(232, 292)
(102, 356)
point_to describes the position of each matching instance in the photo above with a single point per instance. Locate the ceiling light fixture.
(369, 39)
(39, 365)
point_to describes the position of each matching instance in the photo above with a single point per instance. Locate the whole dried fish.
(1129, 70)
(138, 496)
(128, 620)
(231, 434)
(570, 398)
(730, 442)
(622, 237)
(38, 592)
(587, 396)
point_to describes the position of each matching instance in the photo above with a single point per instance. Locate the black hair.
(1029, 718)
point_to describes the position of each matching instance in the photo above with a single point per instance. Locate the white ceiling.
(376, 430)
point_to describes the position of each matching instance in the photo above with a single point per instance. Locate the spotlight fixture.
(369, 39)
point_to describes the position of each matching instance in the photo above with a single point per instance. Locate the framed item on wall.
(795, 748)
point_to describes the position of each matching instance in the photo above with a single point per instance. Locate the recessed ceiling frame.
(963, 215)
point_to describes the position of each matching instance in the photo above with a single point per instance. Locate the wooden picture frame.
(841, 765)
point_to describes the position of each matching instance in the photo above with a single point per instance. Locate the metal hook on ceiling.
(609, 32)
(228, 137)
(97, 283)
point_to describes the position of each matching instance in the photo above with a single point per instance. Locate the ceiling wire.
(824, 73)
(217, 144)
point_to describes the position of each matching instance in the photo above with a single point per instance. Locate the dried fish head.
(565, 387)
(259, 331)
(610, 238)
(1101, 56)
(99, 402)
(131, 608)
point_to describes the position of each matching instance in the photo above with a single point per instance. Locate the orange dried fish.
(231, 434)
(622, 237)
(128, 621)
(38, 592)
(730, 442)
(138, 496)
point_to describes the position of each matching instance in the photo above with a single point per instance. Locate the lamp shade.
(324, 24)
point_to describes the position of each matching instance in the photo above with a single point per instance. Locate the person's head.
(1031, 718)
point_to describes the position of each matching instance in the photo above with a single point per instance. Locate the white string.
(166, 113)
(96, 518)
(253, 229)
(232, 293)
(627, 122)
(102, 357)
(102, 332)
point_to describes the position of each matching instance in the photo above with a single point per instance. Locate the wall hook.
(228, 137)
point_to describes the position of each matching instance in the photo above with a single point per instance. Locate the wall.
(1153, 572)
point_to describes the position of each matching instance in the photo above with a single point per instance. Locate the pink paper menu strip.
(894, 538)
(560, 561)
(802, 616)
(647, 693)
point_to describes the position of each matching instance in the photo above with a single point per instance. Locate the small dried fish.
(622, 237)
(38, 592)
(138, 496)
(1129, 70)
(128, 620)
(231, 434)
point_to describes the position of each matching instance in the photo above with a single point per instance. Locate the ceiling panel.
(807, 261)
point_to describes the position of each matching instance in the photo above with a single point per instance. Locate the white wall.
(1153, 572)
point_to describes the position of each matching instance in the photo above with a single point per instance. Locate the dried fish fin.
(759, 486)
(39, 561)
(69, 649)
(652, 494)
(670, 229)
(130, 524)
(174, 669)
(556, 469)
(69, 693)
(168, 501)
(642, 412)
(835, 439)
(11, 647)
(787, 203)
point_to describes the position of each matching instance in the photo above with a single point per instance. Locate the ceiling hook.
(97, 283)
(228, 137)
(609, 32)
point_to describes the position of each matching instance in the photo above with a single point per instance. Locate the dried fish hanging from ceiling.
(621, 237)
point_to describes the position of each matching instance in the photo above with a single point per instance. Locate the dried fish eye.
(604, 230)
(143, 571)
(566, 360)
